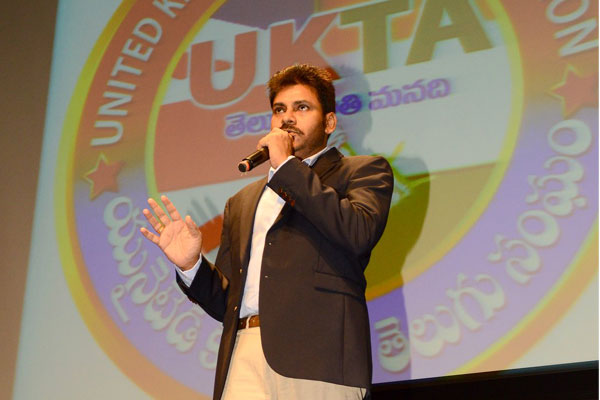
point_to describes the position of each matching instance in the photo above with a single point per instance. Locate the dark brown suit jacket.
(313, 313)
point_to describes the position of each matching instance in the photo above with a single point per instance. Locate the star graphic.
(576, 91)
(103, 176)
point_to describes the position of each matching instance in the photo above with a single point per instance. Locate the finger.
(149, 235)
(264, 141)
(281, 131)
(156, 224)
(159, 212)
(281, 135)
(170, 208)
(289, 135)
(192, 227)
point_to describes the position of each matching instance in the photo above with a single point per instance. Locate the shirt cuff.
(188, 276)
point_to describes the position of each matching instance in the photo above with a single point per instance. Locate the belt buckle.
(247, 322)
(244, 323)
(253, 321)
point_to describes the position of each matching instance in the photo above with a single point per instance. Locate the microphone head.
(254, 160)
(244, 166)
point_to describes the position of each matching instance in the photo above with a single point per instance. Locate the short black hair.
(304, 74)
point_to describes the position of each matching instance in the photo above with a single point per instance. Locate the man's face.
(296, 109)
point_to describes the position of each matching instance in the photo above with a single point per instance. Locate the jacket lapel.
(282, 213)
(321, 167)
(325, 164)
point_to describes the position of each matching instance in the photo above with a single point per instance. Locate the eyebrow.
(295, 103)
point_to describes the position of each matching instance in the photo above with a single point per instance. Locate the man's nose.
(289, 117)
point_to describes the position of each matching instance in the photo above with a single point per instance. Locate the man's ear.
(330, 122)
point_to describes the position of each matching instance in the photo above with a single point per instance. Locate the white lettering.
(136, 52)
(166, 5)
(565, 18)
(148, 22)
(121, 85)
(116, 125)
(544, 237)
(109, 108)
(582, 137)
(119, 66)
(574, 45)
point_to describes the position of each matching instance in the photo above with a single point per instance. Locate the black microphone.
(254, 160)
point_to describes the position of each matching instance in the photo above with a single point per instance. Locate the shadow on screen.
(389, 332)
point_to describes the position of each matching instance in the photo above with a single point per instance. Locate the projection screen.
(487, 111)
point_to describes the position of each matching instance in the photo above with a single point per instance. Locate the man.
(288, 281)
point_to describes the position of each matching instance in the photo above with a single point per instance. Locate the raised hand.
(180, 239)
(280, 144)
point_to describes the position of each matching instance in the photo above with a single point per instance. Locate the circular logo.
(494, 209)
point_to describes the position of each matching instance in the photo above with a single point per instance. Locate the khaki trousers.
(251, 378)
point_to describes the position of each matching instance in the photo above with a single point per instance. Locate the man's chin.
(298, 152)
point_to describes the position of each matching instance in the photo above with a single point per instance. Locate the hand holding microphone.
(276, 146)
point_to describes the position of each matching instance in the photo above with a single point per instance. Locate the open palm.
(180, 239)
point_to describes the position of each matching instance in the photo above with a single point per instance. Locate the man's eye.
(277, 110)
(302, 107)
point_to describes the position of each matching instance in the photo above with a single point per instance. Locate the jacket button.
(235, 308)
(240, 270)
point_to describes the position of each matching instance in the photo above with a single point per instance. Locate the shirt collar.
(310, 161)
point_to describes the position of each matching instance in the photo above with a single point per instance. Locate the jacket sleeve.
(210, 286)
(354, 219)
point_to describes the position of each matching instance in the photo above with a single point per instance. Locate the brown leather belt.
(249, 322)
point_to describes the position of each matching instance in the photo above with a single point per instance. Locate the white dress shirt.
(269, 207)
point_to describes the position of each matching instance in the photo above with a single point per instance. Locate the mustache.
(290, 128)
